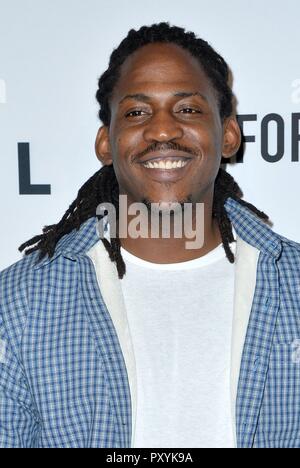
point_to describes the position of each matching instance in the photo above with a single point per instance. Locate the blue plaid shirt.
(63, 379)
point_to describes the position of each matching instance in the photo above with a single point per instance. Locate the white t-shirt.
(180, 319)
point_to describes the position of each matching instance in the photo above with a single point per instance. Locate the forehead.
(160, 66)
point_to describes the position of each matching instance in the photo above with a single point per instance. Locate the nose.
(162, 127)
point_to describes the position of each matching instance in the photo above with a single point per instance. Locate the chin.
(165, 205)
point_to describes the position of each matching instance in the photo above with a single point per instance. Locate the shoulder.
(289, 261)
(290, 247)
(14, 279)
(290, 243)
(15, 282)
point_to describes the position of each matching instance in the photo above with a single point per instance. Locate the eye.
(134, 113)
(190, 110)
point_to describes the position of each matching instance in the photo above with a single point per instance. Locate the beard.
(174, 207)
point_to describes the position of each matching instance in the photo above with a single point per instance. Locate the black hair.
(103, 186)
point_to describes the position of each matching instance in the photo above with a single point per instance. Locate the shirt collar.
(252, 229)
(247, 225)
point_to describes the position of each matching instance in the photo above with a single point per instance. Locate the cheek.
(204, 136)
(208, 141)
(125, 144)
(123, 148)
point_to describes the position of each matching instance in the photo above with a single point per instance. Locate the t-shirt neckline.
(214, 255)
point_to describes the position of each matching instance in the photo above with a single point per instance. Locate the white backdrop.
(51, 55)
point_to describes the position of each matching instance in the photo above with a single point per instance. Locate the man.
(139, 341)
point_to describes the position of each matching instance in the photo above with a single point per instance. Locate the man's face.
(164, 107)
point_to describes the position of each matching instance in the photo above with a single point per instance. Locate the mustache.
(154, 147)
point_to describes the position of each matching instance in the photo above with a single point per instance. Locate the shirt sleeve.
(19, 424)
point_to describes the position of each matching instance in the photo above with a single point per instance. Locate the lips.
(163, 156)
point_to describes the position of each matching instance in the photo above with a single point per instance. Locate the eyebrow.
(145, 98)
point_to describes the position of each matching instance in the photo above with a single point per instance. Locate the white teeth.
(165, 164)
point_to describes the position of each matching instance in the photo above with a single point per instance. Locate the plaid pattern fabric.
(268, 399)
(63, 379)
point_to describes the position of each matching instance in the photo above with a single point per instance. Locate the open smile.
(167, 168)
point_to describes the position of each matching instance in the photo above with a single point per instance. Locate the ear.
(102, 146)
(231, 137)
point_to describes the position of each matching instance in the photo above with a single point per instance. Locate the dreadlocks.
(103, 185)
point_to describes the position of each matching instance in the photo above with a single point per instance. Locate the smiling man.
(137, 340)
(164, 109)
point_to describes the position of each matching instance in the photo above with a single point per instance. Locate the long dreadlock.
(103, 185)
